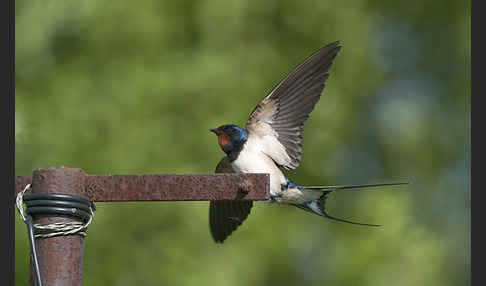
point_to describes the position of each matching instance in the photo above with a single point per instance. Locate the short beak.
(214, 131)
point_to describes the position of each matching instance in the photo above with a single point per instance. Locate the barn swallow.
(273, 140)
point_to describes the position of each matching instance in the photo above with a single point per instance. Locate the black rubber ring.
(59, 197)
(59, 211)
(52, 203)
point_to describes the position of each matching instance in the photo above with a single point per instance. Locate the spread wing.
(279, 119)
(226, 216)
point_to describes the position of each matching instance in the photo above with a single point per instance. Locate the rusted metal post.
(60, 258)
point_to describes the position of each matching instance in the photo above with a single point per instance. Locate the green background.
(114, 87)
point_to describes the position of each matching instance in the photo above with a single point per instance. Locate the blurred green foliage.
(124, 88)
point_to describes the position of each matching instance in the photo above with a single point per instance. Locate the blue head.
(230, 137)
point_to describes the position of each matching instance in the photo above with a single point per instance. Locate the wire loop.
(57, 205)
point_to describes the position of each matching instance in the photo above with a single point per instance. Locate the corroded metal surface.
(21, 182)
(169, 187)
(60, 258)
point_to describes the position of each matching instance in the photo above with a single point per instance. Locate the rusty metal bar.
(170, 187)
(61, 257)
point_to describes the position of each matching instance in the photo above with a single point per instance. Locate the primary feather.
(279, 119)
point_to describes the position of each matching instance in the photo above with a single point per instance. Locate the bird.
(272, 141)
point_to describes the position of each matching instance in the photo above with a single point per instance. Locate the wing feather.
(226, 216)
(282, 113)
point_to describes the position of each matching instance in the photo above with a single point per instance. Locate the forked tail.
(318, 206)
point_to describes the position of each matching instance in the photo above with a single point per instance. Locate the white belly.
(252, 160)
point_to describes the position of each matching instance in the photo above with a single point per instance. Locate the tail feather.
(318, 206)
(344, 187)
